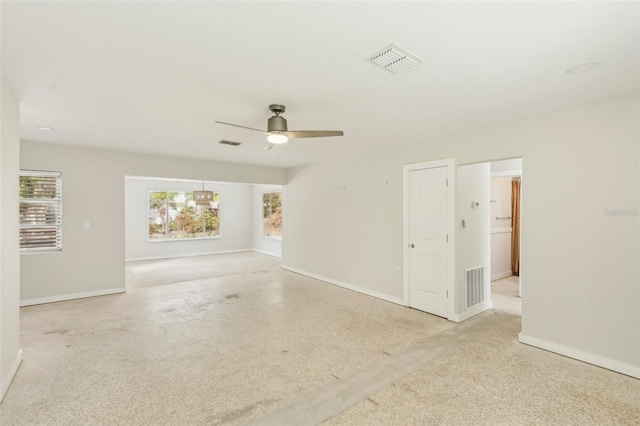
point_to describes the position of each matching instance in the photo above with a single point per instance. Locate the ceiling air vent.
(232, 143)
(394, 59)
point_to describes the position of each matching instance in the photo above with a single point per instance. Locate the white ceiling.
(154, 76)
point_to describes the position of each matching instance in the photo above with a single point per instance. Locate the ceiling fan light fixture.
(277, 139)
(278, 133)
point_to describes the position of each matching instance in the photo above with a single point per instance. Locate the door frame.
(451, 215)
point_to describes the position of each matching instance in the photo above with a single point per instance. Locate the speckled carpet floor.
(233, 339)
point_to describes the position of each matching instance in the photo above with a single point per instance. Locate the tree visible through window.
(272, 214)
(40, 210)
(175, 215)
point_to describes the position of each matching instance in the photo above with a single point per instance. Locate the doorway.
(505, 234)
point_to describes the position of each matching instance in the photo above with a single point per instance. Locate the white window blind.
(40, 210)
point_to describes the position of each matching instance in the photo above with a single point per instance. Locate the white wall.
(10, 353)
(472, 240)
(235, 220)
(500, 228)
(262, 244)
(501, 253)
(344, 222)
(92, 260)
(501, 207)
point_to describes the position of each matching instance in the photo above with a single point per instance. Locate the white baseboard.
(267, 253)
(501, 275)
(472, 312)
(63, 297)
(4, 386)
(345, 285)
(600, 361)
(175, 256)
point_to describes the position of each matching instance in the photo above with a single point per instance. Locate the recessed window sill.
(40, 251)
(164, 240)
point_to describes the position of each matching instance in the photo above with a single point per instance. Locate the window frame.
(262, 194)
(166, 239)
(57, 201)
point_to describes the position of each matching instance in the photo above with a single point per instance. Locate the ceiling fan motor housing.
(277, 123)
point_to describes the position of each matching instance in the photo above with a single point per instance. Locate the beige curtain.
(515, 224)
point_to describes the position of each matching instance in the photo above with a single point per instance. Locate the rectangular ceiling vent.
(232, 143)
(394, 59)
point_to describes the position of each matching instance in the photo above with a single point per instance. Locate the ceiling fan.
(278, 133)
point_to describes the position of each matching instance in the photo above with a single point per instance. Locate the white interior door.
(428, 240)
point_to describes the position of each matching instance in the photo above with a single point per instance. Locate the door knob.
(412, 246)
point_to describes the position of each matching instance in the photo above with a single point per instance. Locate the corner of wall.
(10, 353)
(6, 381)
(600, 361)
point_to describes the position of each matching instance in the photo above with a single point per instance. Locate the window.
(174, 215)
(40, 211)
(272, 214)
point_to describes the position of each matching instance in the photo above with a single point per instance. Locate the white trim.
(4, 387)
(501, 275)
(600, 361)
(484, 306)
(174, 256)
(507, 173)
(197, 181)
(345, 285)
(72, 296)
(450, 164)
(31, 172)
(267, 253)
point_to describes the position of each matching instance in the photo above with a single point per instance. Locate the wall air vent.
(394, 59)
(232, 143)
(474, 286)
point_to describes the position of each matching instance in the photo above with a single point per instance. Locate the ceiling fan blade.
(299, 134)
(242, 127)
